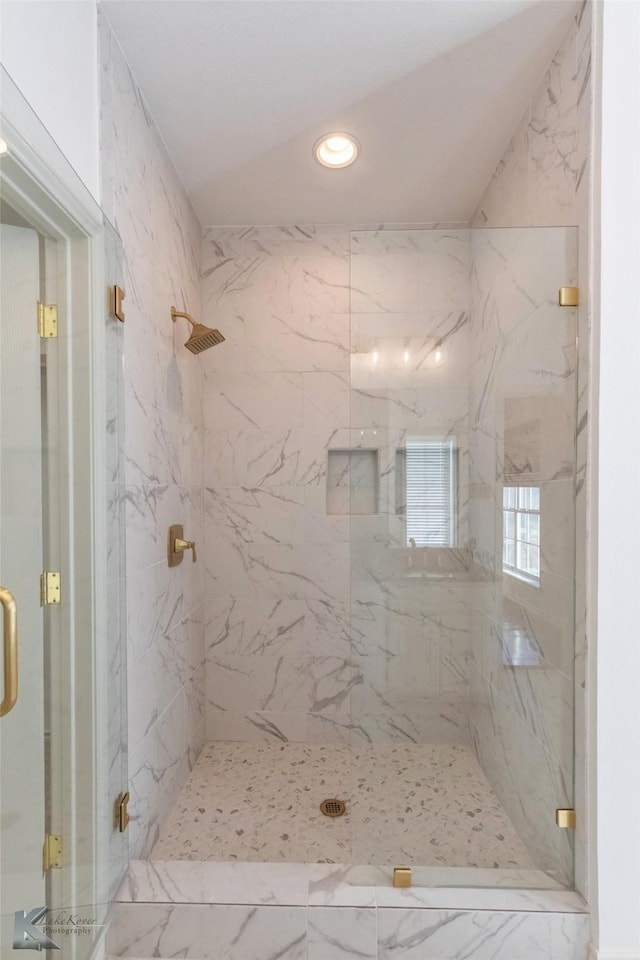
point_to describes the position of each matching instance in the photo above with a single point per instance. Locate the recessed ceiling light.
(336, 149)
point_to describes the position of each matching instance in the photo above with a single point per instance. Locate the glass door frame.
(37, 180)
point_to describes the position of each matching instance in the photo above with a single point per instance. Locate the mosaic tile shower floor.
(406, 803)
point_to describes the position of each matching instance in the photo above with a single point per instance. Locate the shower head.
(201, 337)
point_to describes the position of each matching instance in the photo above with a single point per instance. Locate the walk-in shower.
(371, 676)
(389, 547)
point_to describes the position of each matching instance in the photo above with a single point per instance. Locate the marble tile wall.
(543, 177)
(320, 624)
(144, 200)
(543, 180)
(276, 398)
(409, 606)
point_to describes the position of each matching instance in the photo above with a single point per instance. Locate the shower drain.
(333, 808)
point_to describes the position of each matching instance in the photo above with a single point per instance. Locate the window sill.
(523, 578)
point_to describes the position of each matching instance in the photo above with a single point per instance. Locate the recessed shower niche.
(352, 482)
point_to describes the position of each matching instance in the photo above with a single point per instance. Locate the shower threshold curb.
(339, 885)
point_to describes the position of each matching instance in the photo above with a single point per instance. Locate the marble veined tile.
(225, 458)
(340, 885)
(258, 726)
(404, 271)
(415, 326)
(240, 401)
(160, 244)
(553, 139)
(326, 400)
(385, 283)
(538, 358)
(211, 932)
(316, 284)
(291, 455)
(199, 931)
(414, 240)
(434, 893)
(339, 933)
(490, 935)
(514, 272)
(294, 342)
(286, 241)
(256, 627)
(255, 514)
(504, 202)
(416, 804)
(186, 881)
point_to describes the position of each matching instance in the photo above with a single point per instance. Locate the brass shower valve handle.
(180, 545)
(176, 546)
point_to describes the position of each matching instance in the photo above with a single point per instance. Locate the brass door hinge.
(566, 818)
(49, 588)
(47, 320)
(117, 295)
(568, 296)
(402, 877)
(122, 817)
(52, 852)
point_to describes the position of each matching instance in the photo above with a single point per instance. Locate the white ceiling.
(432, 89)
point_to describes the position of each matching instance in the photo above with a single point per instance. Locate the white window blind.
(430, 492)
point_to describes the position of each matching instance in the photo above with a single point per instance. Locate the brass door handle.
(10, 651)
(179, 545)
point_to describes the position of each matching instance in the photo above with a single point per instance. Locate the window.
(427, 482)
(521, 532)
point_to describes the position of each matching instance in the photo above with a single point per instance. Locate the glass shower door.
(22, 742)
(523, 469)
(462, 545)
(63, 759)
